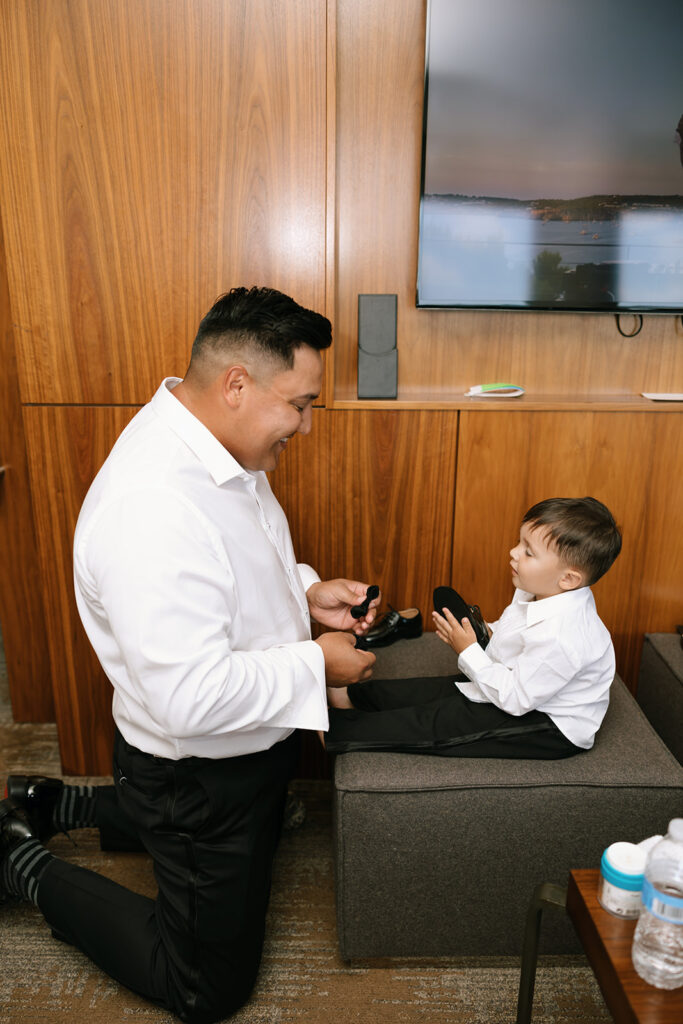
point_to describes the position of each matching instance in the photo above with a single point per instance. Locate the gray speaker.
(377, 353)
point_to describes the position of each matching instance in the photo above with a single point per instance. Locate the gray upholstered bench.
(440, 856)
(660, 687)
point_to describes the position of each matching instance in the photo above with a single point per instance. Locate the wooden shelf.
(525, 403)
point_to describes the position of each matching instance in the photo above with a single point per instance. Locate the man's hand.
(343, 663)
(457, 635)
(330, 604)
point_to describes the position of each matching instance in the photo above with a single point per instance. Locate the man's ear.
(571, 579)
(234, 382)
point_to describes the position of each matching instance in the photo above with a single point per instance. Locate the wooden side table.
(606, 940)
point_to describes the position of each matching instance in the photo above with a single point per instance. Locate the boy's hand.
(457, 635)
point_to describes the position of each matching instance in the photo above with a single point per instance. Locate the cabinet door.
(632, 462)
(22, 621)
(369, 494)
(153, 156)
(66, 447)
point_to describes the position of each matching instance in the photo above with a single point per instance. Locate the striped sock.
(23, 868)
(75, 808)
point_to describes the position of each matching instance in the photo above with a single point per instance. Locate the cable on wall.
(637, 325)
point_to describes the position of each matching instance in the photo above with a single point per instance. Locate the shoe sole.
(446, 597)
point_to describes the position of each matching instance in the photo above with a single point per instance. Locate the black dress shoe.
(393, 626)
(446, 597)
(37, 795)
(14, 827)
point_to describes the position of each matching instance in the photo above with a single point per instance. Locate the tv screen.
(552, 164)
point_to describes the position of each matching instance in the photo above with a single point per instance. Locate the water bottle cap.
(676, 829)
(649, 844)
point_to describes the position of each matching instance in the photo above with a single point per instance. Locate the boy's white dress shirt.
(552, 655)
(190, 593)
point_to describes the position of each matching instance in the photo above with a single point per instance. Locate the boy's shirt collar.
(538, 611)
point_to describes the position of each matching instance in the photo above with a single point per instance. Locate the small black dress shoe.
(37, 795)
(393, 626)
(446, 597)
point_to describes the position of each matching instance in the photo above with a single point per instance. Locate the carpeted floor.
(303, 979)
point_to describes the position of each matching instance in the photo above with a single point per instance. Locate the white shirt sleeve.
(307, 575)
(542, 669)
(164, 585)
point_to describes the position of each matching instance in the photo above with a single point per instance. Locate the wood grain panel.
(66, 448)
(660, 595)
(508, 461)
(154, 155)
(355, 492)
(369, 495)
(380, 61)
(21, 608)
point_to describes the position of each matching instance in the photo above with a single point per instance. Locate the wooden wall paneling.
(66, 447)
(441, 353)
(509, 460)
(21, 608)
(154, 155)
(380, 76)
(327, 392)
(369, 495)
(660, 595)
(355, 491)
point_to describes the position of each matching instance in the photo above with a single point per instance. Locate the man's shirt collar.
(198, 438)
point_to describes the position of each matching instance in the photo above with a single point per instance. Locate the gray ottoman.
(660, 687)
(440, 856)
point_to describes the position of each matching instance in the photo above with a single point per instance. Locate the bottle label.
(662, 904)
(618, 901)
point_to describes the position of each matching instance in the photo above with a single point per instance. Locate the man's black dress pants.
(211, 828)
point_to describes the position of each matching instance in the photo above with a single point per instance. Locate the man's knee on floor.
(217, 1005)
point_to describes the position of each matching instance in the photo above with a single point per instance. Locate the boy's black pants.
(432, 716)
(211, 827)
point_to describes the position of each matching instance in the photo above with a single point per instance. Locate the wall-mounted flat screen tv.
(552, 167)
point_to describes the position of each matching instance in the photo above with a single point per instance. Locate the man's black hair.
(264, 320)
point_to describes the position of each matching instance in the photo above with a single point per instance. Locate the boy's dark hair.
(582, 531)
(263, 320)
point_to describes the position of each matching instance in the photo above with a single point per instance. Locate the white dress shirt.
(190, 593)
(552, 655)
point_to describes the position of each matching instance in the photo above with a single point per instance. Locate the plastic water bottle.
(658, 941)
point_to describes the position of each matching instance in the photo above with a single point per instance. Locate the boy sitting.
(541, 687)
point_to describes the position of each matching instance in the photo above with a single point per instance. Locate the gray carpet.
(303, 980)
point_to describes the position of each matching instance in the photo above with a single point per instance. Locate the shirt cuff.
(470, 661)
(308, 709)
(473, 659)
(307, 575)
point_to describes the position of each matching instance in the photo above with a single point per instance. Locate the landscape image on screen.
(553, 155)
